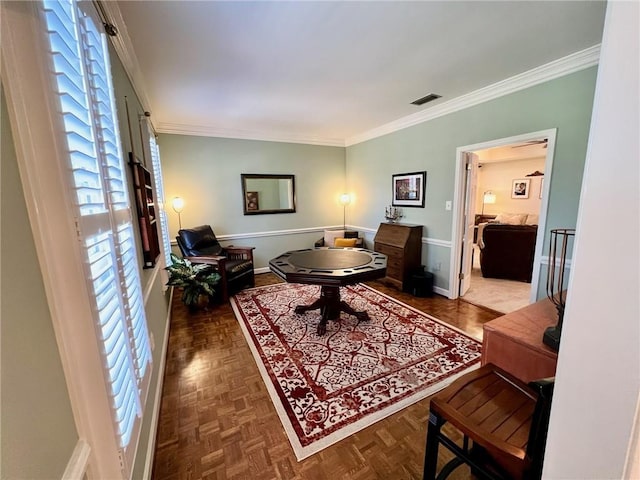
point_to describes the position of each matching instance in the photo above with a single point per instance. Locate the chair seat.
(497, 412)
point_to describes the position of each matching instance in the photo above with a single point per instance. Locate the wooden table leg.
(330, 307)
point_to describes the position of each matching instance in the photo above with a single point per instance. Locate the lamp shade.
(489, 197)
(345, 199)
(177, 204)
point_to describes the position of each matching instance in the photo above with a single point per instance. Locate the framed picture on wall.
(251, 202)
(408, 189)
(520, 188)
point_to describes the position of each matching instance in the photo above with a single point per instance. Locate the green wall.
(38, 430)
(205, 171)
(564, 103)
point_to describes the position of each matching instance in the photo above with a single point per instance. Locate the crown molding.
(124, 49)
(564, 66)
(558, 68)
(181, 129)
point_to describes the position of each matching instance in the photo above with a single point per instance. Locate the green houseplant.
(197, 280)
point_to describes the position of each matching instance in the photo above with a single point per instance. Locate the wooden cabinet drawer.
(388, 250)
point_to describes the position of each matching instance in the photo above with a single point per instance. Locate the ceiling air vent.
(429, 98)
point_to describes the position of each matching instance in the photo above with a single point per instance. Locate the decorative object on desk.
(198, 281)
(408, 189)
(520, 188)
(345, 199)
(392, 214)
(556, 288)
(178, 205)
(327, 388)
(487, 197)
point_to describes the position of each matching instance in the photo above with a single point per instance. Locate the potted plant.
(197, 280)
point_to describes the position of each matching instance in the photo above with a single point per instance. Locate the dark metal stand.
(551, 336)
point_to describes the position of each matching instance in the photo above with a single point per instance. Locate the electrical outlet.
(448, 205)
(437, 267)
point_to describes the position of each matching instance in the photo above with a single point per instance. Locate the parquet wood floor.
(217, 420)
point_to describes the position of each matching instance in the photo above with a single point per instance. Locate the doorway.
(520, 158)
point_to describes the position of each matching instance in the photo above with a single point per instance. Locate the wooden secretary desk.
(402, 244)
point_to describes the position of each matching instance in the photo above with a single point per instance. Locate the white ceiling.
(328, 71)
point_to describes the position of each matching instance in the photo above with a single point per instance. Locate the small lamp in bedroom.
(556, 281)
(487, 197)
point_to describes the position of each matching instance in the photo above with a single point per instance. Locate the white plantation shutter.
(83, 80)
(162, 215)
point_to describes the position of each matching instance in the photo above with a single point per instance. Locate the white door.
(469, 221)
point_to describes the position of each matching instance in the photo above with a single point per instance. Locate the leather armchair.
(234, 264)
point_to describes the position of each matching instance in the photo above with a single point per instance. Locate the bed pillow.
(330, 237)
(511, 218)
(345, 242)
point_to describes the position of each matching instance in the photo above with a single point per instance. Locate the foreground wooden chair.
(505, 420)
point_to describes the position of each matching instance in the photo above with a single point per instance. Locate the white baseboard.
(442, 291)
(151, 447)
(79, 461)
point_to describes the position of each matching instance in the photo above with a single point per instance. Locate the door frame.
(459, 213)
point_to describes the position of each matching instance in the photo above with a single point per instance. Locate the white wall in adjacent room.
(498, 177)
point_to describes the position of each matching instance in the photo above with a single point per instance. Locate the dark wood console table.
(513, 342)
(330, 268)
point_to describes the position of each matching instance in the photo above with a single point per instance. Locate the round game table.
(331, 268)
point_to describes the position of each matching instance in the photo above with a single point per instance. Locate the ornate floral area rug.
(327, 388)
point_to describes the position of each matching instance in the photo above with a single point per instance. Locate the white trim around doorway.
(459, 199)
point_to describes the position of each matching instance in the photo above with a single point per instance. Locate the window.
(80, 65)
(162, 214)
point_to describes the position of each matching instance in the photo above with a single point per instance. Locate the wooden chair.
(234, 264)
(505, 420)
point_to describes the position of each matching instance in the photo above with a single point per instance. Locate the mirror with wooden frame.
(268, 193)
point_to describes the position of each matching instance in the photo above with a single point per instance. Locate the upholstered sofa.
(507, 251)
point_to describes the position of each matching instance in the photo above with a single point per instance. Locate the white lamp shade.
(345, 199)
(177, 204)
(489, 197)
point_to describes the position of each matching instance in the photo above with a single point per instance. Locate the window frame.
(43, 166)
